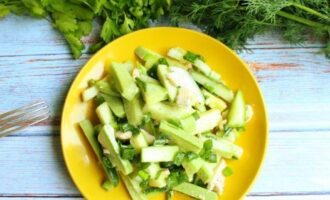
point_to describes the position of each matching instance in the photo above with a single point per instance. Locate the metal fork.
(23, 117)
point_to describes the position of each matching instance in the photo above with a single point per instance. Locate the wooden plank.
(37, 37)
(284, 197)
(41, 198)
(298, 197)
(295, 83)
(297, 162)
(33, 165)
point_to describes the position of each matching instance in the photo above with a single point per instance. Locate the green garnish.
(206, 152)
(128, 127)
(127, 152)
(191, 57)
(227, 171)
(191, 156)
(143, 174)
(179, 158)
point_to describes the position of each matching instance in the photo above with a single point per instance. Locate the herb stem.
(302, 20)
(311, 11)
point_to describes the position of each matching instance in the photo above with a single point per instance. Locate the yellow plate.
(82, 163)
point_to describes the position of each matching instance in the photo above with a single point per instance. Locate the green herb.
(154, 189)
(179, 158)
(91, 82)
(206, 152)
(191, 156)
(128, 127)
(175, 123)
(199, 182)
(234, 158)
(144, 184)
(166, 164)
(163, 61)
(127, 152)
(106, 185)
(99, 99)
(111, 171)
(97, 128)
(176, 178)
(161, 140)
(191, 57)
(169, 195)
(227, 130)
(142, 166)
(235, 21)
(152, 72)
(146, 119)
(230, 21)
(143, 174)
(227, 171)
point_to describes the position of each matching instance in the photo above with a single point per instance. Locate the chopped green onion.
(227, 171)
(146, 119)
(234, 158)
(161, 140)
(97, 128)
(175, 123)
(143, 174)
(227, 130)
(144, 184)
(91, 82)
(191, 57)
(163, 61)
(206, 152)
(110, 170)
(191, 156)
(154, 189)
(152, 72)
(99, 99)
(169, 195)
(127, 152)
(128, 127)
(176, 178)
(179, 158)
(212, 158)
(195, 115)
(106, 185)
(142, 166)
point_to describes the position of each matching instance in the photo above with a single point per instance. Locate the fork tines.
(22, 117)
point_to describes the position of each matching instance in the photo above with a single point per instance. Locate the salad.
(166, 123)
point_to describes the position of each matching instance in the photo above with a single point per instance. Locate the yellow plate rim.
(96, 55)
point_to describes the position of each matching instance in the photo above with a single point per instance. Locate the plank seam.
(273, 194)
(84, 55)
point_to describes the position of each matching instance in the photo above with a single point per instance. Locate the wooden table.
(35, 64)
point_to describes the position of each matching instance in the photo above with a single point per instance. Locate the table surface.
(35, 64)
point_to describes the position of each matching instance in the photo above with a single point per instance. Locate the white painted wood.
(37, 37)
(297, 162)
(33, 165)
(296, 197)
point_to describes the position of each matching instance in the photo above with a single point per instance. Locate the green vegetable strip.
(90, 134)
(196, 191)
